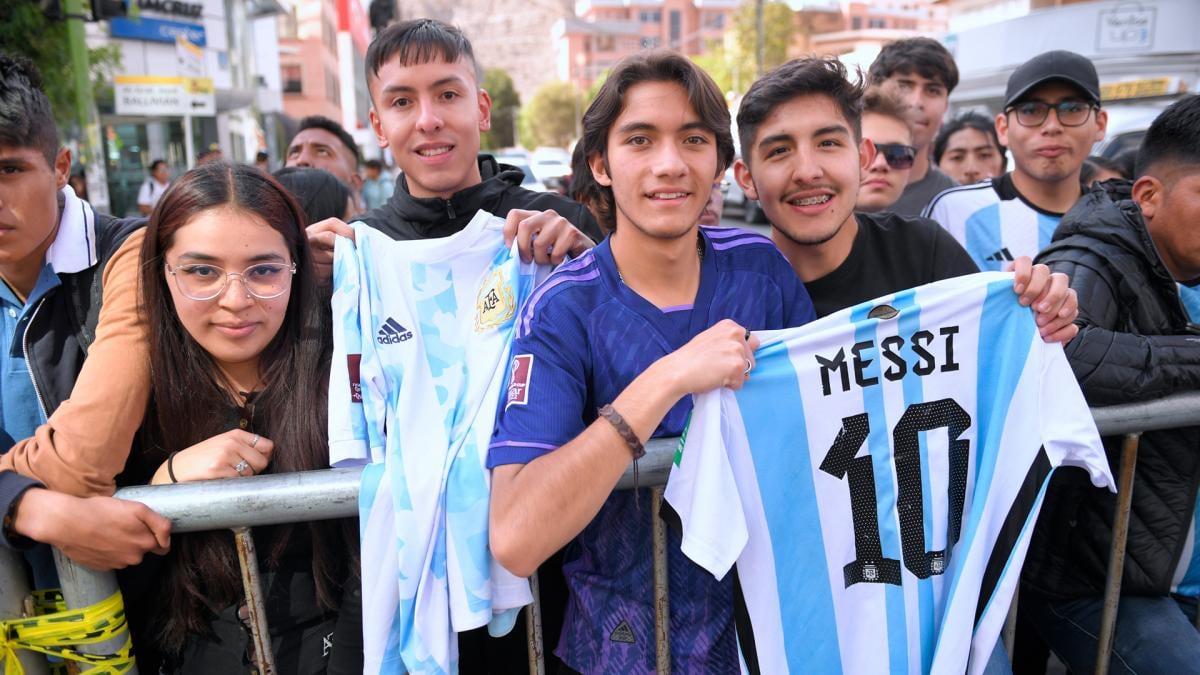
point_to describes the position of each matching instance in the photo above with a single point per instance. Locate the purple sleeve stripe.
(523, 444)
(726, 232)
(744, 241)
(553, 281)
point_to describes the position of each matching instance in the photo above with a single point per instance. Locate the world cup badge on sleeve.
(495, 303)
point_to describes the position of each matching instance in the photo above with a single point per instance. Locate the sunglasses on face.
(897, 155)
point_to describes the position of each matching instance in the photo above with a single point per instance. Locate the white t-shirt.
(150, 192)
(877, 479)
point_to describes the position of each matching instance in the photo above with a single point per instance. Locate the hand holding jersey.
(1054, 302)
(542, 237)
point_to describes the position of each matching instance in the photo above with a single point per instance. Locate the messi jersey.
(422, 331)
(876, 480)
(582, 338)
(993, 222)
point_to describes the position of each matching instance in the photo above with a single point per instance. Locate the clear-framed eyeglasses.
(204, 282)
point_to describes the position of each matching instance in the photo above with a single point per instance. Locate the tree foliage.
(25, 31)
(505, 102)
(732, 64)
(550, 116)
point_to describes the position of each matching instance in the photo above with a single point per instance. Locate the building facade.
(189, 81)
(605, 31)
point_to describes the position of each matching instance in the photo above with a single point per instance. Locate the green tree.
(25, 31)
(505, 102)
(550, 116)
(595, 88)
(777, 33)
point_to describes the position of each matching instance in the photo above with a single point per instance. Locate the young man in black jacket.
(429, 111)
(1125, 248)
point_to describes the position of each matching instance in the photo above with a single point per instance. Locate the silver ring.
(241, 466)
(748, 365)
(254, 441)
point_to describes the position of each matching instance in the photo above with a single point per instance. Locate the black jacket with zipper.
(63, 324)
(406, 217)
(1134, 344)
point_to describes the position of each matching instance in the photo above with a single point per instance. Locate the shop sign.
(156, 30)
(164, 96)
(175, 7)
(1147, 88)
(1127, 26)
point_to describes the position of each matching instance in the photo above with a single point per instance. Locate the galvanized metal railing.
(239, 504)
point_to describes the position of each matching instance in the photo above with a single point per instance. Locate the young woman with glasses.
(239, 348)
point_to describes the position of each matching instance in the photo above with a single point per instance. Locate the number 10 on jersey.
(842, 462)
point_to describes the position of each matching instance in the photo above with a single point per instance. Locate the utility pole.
(760, 46)
(90, 155)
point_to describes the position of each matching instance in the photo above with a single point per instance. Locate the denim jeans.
(1154, 634)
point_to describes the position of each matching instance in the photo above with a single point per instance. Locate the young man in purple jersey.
(609, 349)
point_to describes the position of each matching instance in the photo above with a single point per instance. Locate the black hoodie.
(406, 217)
(1134, 344)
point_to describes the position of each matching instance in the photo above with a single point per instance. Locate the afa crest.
(495, 303)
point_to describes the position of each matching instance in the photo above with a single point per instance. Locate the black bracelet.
(171, 466)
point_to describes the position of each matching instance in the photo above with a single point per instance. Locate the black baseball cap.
(1060, 65)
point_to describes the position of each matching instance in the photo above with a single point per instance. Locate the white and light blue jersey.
(1190, 296)
(1187, 573)
(993, 222)
(876, 481)
(422, 334)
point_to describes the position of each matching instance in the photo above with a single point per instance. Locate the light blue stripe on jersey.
(880, 446)
(909, 323)
(984, 237)
(1046, 227)
(1003, 349)
(1191, 301)
(1190, 584)
(804, 581)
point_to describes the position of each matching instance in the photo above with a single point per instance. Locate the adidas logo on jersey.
(622, 633)
(1002, 255)
(393, 333)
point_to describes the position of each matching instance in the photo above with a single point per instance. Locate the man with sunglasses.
(1051, 119)
(804, 155)
(886, 124)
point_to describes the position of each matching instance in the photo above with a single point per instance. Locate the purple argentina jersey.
(582, 337)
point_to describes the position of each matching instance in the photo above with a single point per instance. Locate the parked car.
(549, 163)
(734, 197)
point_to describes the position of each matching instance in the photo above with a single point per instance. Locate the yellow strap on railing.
(56, 631)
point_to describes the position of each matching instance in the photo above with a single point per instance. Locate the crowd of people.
(193, 343)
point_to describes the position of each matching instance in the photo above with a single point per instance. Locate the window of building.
(605, 43)
(650, 42)
(293, 79)
(676, 27)
(332, 87)
(714, 20)
(856, 23)
(876, 23)
(650, 16)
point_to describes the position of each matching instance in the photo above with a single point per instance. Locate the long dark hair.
(190, 401)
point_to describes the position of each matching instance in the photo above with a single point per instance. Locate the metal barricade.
(242, 503)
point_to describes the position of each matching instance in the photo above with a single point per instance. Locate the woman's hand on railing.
(229, 455)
